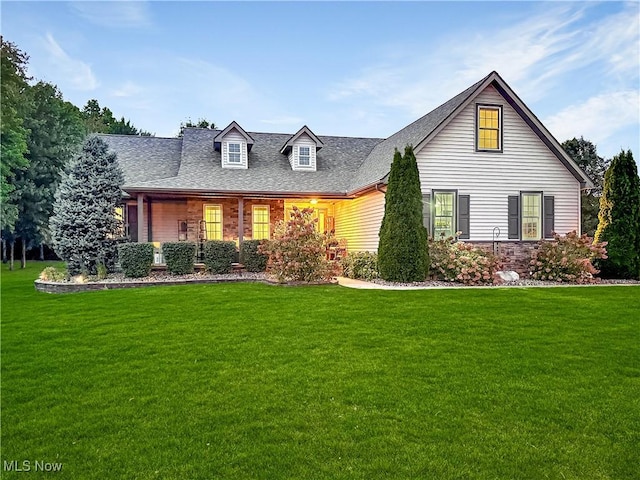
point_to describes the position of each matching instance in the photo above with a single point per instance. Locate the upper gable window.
(304, 159)
(489, 132)
(235, 155)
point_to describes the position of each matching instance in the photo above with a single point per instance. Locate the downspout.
(149, 234)
(140, 218)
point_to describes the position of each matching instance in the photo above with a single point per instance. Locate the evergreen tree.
(584, 153)
(403, 250)
(84, 226)
(619, 219)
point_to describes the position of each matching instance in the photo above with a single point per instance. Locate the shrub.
(179, 257)
(298, 251)
(462, 262)
(619, 218)
(403, 254)
(135, 259)
(360, 265)
(219, 255)
(566, 259)
(251, 258)
(52, 274)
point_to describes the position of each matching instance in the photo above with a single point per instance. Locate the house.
(488, 168)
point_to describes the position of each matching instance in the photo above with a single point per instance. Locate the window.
(531, 216)
(261, 222)
(304, 156)
(213, 221)
(444, 208)
(489, 128)
(119, 214)
(234, 153)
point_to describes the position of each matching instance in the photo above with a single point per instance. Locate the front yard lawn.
(239, 381)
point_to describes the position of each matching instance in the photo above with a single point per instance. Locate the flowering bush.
(461, 262)
(567, 259)
(363, 265)
(298, 251)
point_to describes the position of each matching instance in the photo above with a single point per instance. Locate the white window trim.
(238, 153)
(253, 222)
(454, 211)
(204, 217)
(307, 156)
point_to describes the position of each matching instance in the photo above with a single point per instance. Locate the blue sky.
(342, 68)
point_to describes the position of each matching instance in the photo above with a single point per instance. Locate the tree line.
(39, 133)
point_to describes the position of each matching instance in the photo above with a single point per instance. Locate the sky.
(359, 69)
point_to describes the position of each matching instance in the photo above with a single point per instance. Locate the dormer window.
(235, 153)
(234, 145)
(301, 149)
(304, 156)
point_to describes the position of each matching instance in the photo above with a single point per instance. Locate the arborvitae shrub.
(251, 258)
(619, 219)
(179, 257)
(219, 255)
(403, 251)
(135, 259)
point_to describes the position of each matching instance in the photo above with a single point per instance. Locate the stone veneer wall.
(516, 255)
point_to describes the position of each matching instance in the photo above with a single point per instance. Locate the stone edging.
(67, 287)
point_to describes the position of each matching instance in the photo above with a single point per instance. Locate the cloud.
(284, 121)
(75, 72)
(538, 52)
(128, 89)
(114, 14)
(598, 118)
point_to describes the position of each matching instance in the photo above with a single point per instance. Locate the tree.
(619, 217)
(201, 123)
(99, 120)
(84, 225)
(55, 132)
(403, 254)
(13, 134)
(584, 153)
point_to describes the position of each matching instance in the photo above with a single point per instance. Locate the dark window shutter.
(426, 212)
(548, 210)
(463, 216)
(514, 216)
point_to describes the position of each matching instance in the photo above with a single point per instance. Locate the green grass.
(236, 381)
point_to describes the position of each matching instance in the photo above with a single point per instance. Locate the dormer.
(301, 149)
(234, 144)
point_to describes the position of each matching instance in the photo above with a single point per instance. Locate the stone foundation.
(515, 255)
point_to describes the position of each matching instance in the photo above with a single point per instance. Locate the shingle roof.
(378, 163)
(344, 164)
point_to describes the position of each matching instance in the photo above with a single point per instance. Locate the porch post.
(240, 220)
(140, 218)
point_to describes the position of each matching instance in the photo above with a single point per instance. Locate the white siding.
(164, 220)
(359, 221)
(234, 137)
(449, 161)
(303, 140)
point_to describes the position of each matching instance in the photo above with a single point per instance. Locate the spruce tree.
(403, 250)
(84, 225)
(619, 219)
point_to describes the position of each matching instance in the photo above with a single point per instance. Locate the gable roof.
(234, 125)
(345, 165)
(287, 146)
(378, 164)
